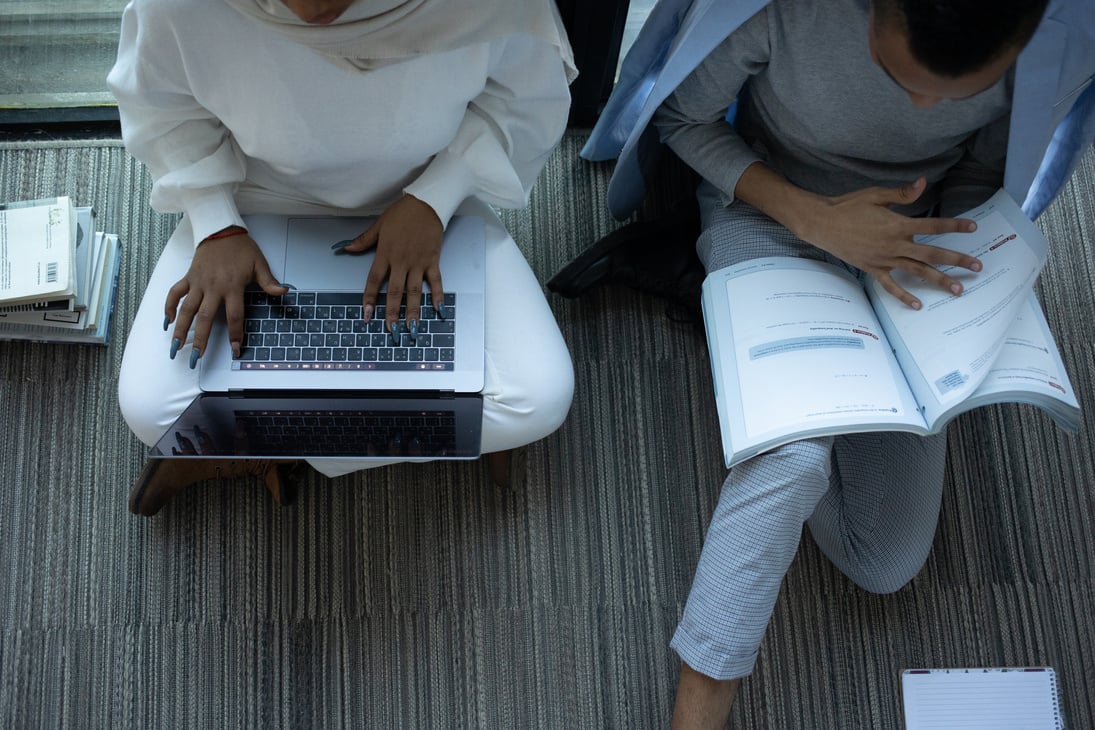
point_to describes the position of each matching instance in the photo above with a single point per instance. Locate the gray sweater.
(816, 108)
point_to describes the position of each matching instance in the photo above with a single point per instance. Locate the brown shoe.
(161, 479)
(507, 468)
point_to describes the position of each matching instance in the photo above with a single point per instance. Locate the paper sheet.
(972, 699)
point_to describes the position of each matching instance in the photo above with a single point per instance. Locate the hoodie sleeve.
(194, 162)
(507, 134)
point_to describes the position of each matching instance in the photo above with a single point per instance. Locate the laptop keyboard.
(350, 433)
(310, 330)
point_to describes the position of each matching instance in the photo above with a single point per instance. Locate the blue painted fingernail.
(287, 286)
(195, 353)
(414, 330)
(166, 322)
(341, 244)
(175, 345)
(440, 311)
(395, 334)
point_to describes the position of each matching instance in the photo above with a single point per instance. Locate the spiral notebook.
(1016, 698)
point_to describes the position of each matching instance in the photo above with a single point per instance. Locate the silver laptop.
(316, 380)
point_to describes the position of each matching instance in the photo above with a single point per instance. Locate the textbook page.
(105, 273)
(1028, 369)
(797, 351)
(37, 250)
(981, 699)
(85, 256)
(947, 347)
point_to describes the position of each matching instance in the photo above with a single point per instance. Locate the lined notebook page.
(981, 699)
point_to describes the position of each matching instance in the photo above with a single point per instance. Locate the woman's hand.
(407, 238)
(219, 272)
(860, 229)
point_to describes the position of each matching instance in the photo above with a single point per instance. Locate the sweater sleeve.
(507, 134)
(692, 120)
(194, 162)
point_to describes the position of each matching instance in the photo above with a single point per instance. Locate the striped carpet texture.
(423, 596)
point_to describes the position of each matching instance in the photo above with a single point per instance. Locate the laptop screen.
(296, 426)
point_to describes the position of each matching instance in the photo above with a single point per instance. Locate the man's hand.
(218, 274)
(860, 229)
(407, 238)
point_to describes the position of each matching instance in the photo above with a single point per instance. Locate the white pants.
(529, 379)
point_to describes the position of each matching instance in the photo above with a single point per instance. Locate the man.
(854, 120)
(1052, 123)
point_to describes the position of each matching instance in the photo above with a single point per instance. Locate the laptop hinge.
(348, 394)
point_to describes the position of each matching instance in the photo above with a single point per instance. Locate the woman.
(411, 110)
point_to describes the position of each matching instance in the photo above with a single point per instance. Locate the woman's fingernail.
(341, 244)
(195, 353)
(175, 345)
(367, 312)
(975, 266)
(971, 227)
(236, 350)
(166, 322)
(956, 289)
(395, 334)
(287, 286)
(440, 311)
(915, 305)
(413, 325)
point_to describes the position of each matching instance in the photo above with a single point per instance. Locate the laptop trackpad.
(307, 264)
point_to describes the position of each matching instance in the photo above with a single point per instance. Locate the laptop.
(315, 380)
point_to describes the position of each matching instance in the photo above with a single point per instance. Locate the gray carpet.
(422, 596)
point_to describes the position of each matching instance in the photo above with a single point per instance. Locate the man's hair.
(956, 37)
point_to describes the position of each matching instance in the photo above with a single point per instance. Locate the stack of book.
(57, 274)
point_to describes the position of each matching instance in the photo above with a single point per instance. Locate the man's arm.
(692, 120)
(858, 228)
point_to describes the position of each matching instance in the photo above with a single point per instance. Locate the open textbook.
(800, 348)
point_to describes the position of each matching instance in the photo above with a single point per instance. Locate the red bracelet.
(226, 233)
